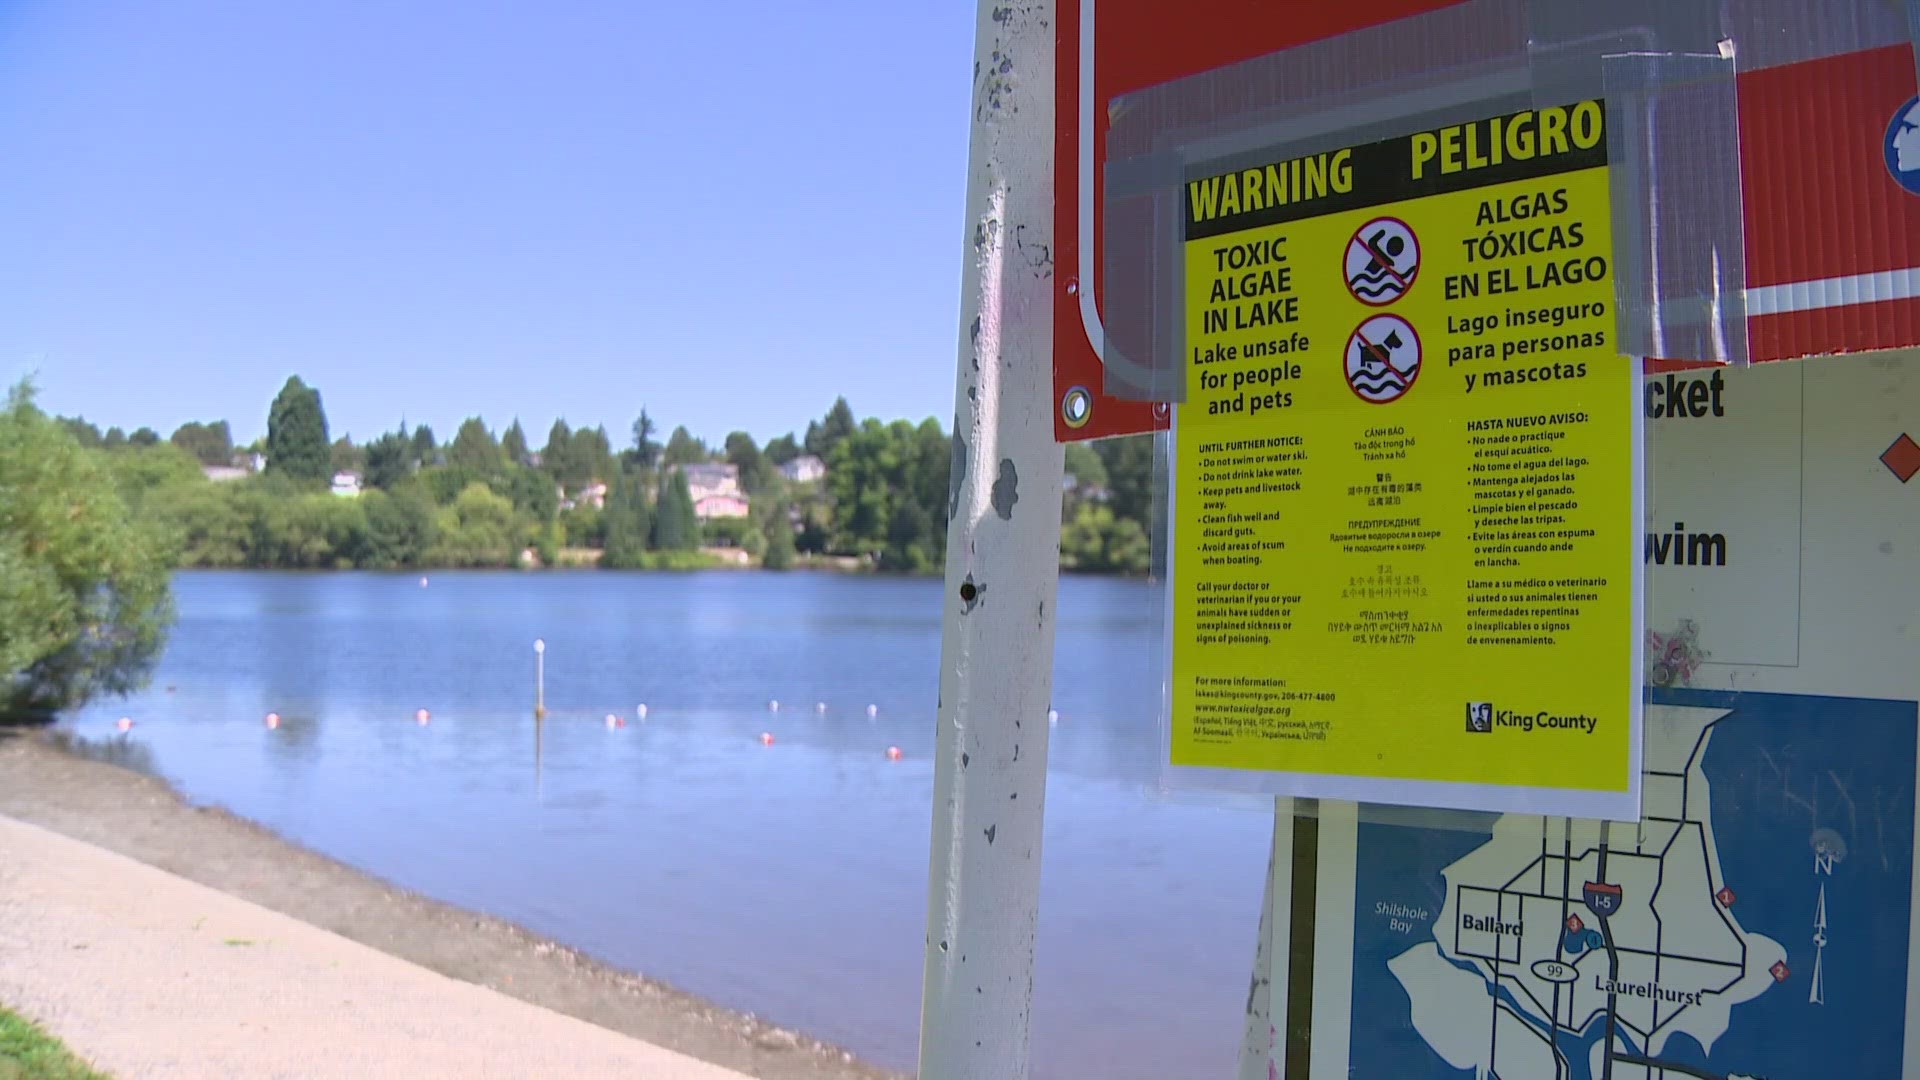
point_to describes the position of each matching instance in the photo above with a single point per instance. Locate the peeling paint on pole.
(1006, 489)
(996, 659)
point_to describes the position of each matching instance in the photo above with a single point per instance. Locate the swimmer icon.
(1382, 261)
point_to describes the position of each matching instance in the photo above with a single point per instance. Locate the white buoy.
(820, 707)
(773, 706)
(423, 583)
(873, 711)
(614, 722)
(125, 724)
(641, 711)
(1053, 716)
(273, 720)
(421, 717)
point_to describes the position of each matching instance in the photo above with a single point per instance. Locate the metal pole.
(1258, 1037)
(1003, 542)
(539, 678)
(1261, 1045)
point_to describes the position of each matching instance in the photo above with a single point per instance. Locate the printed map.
(1753, 924)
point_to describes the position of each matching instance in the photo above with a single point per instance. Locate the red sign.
(1113, 47)
(1833, 238)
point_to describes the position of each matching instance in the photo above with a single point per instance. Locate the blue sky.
(440, 208)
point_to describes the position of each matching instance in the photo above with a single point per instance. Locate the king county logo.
(1903, 146)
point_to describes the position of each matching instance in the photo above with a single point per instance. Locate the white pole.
(539, 678)
(1262, 1042)
(1003, 543)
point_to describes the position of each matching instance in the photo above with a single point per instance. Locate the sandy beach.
(124, 811)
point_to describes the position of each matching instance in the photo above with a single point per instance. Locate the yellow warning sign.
(1406, 475)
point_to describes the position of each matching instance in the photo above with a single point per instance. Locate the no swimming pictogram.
(1382, 261)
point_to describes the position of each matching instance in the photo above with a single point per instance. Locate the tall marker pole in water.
(1003, 545)
(539, 678)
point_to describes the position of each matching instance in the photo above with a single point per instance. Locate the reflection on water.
(789, 879)
(117, 749)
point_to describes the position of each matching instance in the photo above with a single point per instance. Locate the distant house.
(594, 495)
(715, 489)
(709, 478)
(222, 473)
(346, 484)
(804, 469)
(720, 506)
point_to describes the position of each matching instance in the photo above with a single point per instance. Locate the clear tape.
(1772, 33)
(1678, 216)
(1913, 34)
(1665, 67)
(1330, 93)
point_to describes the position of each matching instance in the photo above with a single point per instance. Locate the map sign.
(1758, 921)
(1754, 924)
(1405, 478)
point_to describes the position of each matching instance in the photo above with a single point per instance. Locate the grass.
(28, 1053)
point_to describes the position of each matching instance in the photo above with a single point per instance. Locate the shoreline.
(117, 806)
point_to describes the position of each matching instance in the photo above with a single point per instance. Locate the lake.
(788, 880)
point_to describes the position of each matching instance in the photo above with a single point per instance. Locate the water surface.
(787, 880)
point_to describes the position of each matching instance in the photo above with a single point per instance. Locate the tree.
(479, 529)
(444, 484)
(782, 450)
(305, 529)
(84, 586)
(425, 450)
(869, 476)
(143, 438)
(1095, 540)
(675, 528)
(933, 466)
(586, 527)
(684, 449)
(910, 544)
(115, 439)
(1129, 463)
(210, 444)
(837, 427)
(475, 450)
(347, 457)
(400, 528)
(1085, 467)
(554, 458)
(627, 524)
(212, 525)
(389, 460)
(85, 433)
(533, 493)
(588, 458)
(297, 444)
(645, 450)
(756, 473)
(779, 533)
(150, 476)
(514, 445)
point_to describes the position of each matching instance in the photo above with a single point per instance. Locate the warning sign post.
(1406, 479)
